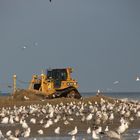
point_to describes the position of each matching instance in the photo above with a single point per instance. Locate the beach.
(43, 116)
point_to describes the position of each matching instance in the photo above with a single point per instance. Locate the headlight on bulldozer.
(70, 84)
(75, 83)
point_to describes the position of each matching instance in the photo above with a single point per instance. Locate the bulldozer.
(55, 83)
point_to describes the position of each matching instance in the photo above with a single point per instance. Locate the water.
(118, 95)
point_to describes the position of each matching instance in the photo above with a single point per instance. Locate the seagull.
(8, 133)
(5, 120)
(27, 132)
(57, 130)
(94, 135)
(73, 138)
(89, 117)
(98, 92)
(50, 0)
(24, 47)
(40, 132)
(17, 133)
(1, 135)
(106, 129)
(137, 79)
(98, 130)
(26, 98)
(113, 134)
(24, 125)
(115, 82)
(89, 130)
(121, 128)
(33, 120)
(139, 137)
(73, 132)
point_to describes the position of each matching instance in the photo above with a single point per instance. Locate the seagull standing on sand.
(73, 132)
(5, 120)
(57, 130)
(8, 133)
(94, 135)
(89, 130)
(24, 125)
(106, 129)
(40, 132)
(1, 135)
(89, 117)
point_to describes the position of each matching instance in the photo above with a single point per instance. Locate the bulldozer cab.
(58, 75)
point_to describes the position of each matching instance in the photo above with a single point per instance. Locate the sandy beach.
(66, 113)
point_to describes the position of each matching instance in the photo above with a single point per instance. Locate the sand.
(19, 100)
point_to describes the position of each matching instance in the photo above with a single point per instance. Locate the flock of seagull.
(97, 117)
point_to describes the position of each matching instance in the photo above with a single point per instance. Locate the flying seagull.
(137, 79)
(24, 47)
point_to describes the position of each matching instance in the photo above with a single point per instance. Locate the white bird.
(17, 133)
(139, 137)
(94, 135)
(11, 121)
(40, 132)
(137, 79)
(16, 118)
(89, 130)
(41, 121)
(27, 133)
(111, 117)
(33, 120)
(24, 47)
(24, 125)
(57, 130)
(5, 120)
(1, 135)
(66, 122)
(115, 82)
(89, 117)
(73, 138)
(73, 132)
(8, 133)
(106, 129)
(121, 128)
(98, 92)
(98, 130)
(26, 98)
(113, 134)
(11, 137)
(48, 124)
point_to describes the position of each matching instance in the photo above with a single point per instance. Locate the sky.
(99, 39)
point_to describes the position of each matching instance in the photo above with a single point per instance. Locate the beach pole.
(14, 83)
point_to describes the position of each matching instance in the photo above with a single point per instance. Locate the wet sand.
(10, 102)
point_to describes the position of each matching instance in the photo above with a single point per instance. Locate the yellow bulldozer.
(55, 83)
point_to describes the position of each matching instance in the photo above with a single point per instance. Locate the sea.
(130, 134)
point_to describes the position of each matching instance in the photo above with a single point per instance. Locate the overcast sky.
(100, 39)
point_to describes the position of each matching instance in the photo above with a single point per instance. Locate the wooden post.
(14, 83)
(42, 82)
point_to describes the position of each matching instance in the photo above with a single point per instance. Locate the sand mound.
(26, 95)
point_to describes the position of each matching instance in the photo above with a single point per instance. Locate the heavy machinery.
(55, 83)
